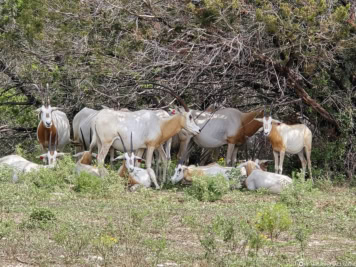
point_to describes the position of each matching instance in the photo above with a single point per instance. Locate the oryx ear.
(55, 108)
(260, 120)
(38, 110)
(61, 154)
(276, 121)
(119, 157)
(42, 156)
(139, 158)
(241, 165)
(105, 107)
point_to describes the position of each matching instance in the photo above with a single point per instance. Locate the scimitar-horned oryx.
(225, 126)
(150, 131)
(292, 139)
(53, 123)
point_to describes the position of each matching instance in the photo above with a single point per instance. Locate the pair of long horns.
(170, 91)
(85, 146)
(45, 99)
(123, 144)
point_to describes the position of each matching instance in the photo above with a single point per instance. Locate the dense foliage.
(298, 56)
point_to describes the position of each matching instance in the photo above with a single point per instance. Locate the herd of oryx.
(148, 131)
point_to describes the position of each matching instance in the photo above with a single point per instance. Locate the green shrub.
(87, 183)
(39, 218)
(53, 178)
(208, 188)
(299, 194)
(273, 220)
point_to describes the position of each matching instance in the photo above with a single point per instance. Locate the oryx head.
(51, 156)
(45, 112)
(188, 123)
(178, 173)
(128, 157)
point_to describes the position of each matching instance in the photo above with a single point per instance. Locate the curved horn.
(90, 135)
(122, 141)
(85, 146)
(48, 101)
(168, 90)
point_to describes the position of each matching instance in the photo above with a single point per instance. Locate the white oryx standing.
(292, 139)
(258, 178)
(150, 131)
(225, 126)
(53, 125)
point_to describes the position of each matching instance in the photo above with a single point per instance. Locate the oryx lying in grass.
(292, 139)
(136, 175)
(186, 173)
(257, 178)
(150, 131)
(226, 126)
(54, 124)
(20, 164)
(85, 161)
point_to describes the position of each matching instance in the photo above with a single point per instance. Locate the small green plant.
(273, 220)
(208, 188)
(39, 218)
(298, 194)
(302, 234)
(87, 183)
(235, 178)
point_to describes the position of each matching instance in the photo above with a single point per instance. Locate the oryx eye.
(190, 117)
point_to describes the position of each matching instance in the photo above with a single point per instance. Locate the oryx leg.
(281, 159)
(112, 156)
(276, 154)
(139, 153)
(164, 160)
(103, 152)
(230, 151)
(308, 152)
(168, 148)
(234, 156)
(303, 161)
(149, 154)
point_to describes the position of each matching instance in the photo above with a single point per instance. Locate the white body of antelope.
(293, 139)
(257, 178)
(21, 165)
(226, 126)
(150, 131)
(186, 173)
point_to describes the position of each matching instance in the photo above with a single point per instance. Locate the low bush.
(208, 188)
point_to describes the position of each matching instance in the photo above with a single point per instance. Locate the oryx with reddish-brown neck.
(225, 126)
(150, 131)
(53, 124)
(292, 139)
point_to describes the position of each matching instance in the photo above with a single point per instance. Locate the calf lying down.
(257, 178)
